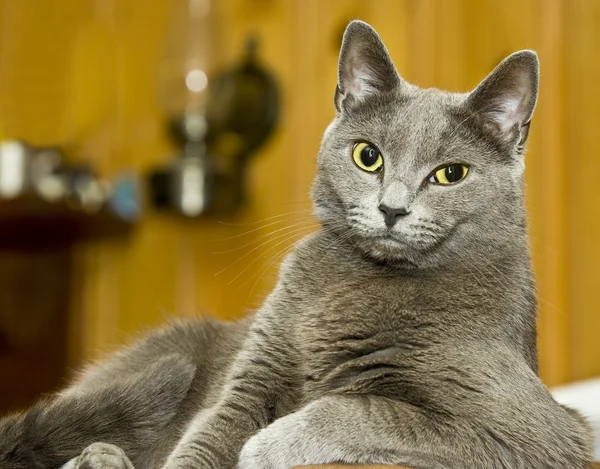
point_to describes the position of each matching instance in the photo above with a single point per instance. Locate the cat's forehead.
(417, 121)
(421, 110)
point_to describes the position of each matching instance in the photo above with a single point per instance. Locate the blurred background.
(156, 159)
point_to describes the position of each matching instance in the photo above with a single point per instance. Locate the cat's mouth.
(390, 242)
(390, 247)
(400, 247)
(387, 247)
(403, 244)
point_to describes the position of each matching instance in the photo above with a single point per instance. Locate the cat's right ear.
(365, 67)
(504, 102)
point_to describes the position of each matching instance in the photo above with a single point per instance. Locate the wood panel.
(581, 166)
(34, 306)
(97, 94)
(201, 267)
(548, 199)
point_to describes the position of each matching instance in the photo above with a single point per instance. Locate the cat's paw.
(281, 445)
(258, 453)
(102, 456)
(303, 438)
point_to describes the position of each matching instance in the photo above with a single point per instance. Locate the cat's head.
(422, 176)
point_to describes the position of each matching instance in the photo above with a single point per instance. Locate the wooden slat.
(582, 167)
(548, 179)
(423, 35)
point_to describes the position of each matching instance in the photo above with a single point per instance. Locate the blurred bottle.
(191, 56)
(189, 61)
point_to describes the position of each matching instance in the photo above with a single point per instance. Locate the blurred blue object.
(124, 197)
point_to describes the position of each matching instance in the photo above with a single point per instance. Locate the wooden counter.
(377, 466)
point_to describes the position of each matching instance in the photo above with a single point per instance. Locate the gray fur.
(100, 455)
(411, 344)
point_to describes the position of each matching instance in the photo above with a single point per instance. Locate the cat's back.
(208, 344)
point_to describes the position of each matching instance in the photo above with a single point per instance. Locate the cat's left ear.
(506, 99)
(365, 67)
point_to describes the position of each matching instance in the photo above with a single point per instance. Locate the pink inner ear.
(511, 108)
(365, 66)
(362, 78)
(361, 84)
(505, 113)
(507, 96)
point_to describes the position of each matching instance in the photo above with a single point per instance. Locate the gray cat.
(403, 332)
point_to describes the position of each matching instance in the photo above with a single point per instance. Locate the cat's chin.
(387, 249)
(388, 244)
(390, 250)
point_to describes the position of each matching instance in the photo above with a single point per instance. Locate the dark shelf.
(30, 222)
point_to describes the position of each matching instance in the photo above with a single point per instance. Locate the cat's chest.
(363, 336)
(361, 328)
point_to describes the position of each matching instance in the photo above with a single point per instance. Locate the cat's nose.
(392, 214)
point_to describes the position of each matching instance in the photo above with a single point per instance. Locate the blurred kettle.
(208, 175)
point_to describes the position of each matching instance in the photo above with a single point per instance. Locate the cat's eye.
(367, 157)
(449, 174)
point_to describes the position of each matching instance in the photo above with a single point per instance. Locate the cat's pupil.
(369, 156)
(454, 173)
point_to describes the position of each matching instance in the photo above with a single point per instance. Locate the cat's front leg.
(257, 388)
(353, 430)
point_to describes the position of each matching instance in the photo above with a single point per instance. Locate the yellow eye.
(449, 174)
(367, 157)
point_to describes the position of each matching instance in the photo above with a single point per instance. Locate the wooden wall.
(83, 73)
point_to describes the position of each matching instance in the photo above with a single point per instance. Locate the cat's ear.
(365, 68)
(506, 99)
